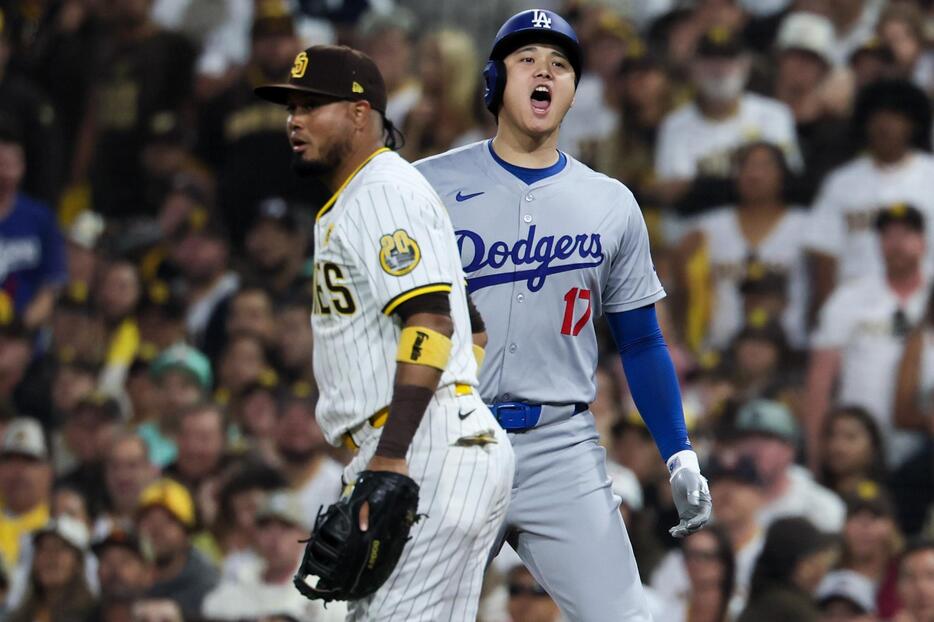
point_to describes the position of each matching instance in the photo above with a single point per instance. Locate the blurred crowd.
(159, 456)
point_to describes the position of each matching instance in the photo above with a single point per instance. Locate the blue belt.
(522, 416)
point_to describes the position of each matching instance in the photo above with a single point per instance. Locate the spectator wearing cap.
(739, 497)
(82, 258)
(183, 378)
(696, 142)
(202, 253)
(762, 363)
(768, 432)
(123, 570)
(294, 341)
(165, 520)
(78, 332)
(127, 472)
(870, 62)
(851, 450)
(892, 122)
(161, 321)
(241, 136)
(861, 334)
(312, 475)
(25, 485)
(277, 247)
(795, 558)
(201, 452)
(256, 412)
(760, 233)
(818, 94)
(156, 66)
(389, 39)
(251, 311)
(243, 361)
(58, 590)
(643, 93)
(281, 525)
(242, 493)
(88, 432)
(845, 596)
(32, 253)
(916, 582)
(872, 543)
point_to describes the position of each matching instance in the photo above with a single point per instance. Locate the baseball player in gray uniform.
(547, 245)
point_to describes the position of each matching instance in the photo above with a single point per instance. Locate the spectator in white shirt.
(892, 120)
(738, 495)
(862, 332)
(281, 527)
(311, 474)
(768, 432)
(697, 141)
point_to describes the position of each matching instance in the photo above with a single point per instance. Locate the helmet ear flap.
(494, 84)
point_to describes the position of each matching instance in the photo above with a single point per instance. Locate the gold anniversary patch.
(398, 253)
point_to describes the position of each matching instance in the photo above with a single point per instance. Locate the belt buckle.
(516, 415)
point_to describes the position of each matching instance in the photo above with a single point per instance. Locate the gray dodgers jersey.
(542, 261)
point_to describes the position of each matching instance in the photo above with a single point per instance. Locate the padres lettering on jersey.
(385, 239)
(542, 261)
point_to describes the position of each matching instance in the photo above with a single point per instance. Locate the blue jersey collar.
(529, 176)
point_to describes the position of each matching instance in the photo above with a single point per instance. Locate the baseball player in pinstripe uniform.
(548, 245)
(393, 349)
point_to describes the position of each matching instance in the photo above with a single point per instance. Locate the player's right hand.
(690, 493)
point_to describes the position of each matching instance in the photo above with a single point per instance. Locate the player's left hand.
(690, 493)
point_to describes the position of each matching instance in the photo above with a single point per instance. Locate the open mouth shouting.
(298, 145)
(541, 99)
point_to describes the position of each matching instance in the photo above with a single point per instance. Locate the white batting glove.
(690, 493)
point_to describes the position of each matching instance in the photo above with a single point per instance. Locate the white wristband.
(684, 459)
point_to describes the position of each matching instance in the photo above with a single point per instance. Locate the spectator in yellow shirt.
(25, 485)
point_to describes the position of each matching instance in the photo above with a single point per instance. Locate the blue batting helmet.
(535, 25)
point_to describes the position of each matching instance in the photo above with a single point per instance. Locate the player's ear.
(360, 113)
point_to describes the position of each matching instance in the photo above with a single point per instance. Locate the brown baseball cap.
(332, 71)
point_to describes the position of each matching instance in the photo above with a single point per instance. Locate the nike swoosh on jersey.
(460, 198)
(463, 416)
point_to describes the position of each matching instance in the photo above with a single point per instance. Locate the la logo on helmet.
(540, 19)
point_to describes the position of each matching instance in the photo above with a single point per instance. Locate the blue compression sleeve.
(651, 376)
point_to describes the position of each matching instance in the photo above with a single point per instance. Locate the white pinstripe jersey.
(383, 239)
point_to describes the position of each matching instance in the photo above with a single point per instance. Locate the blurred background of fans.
(159, 456)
